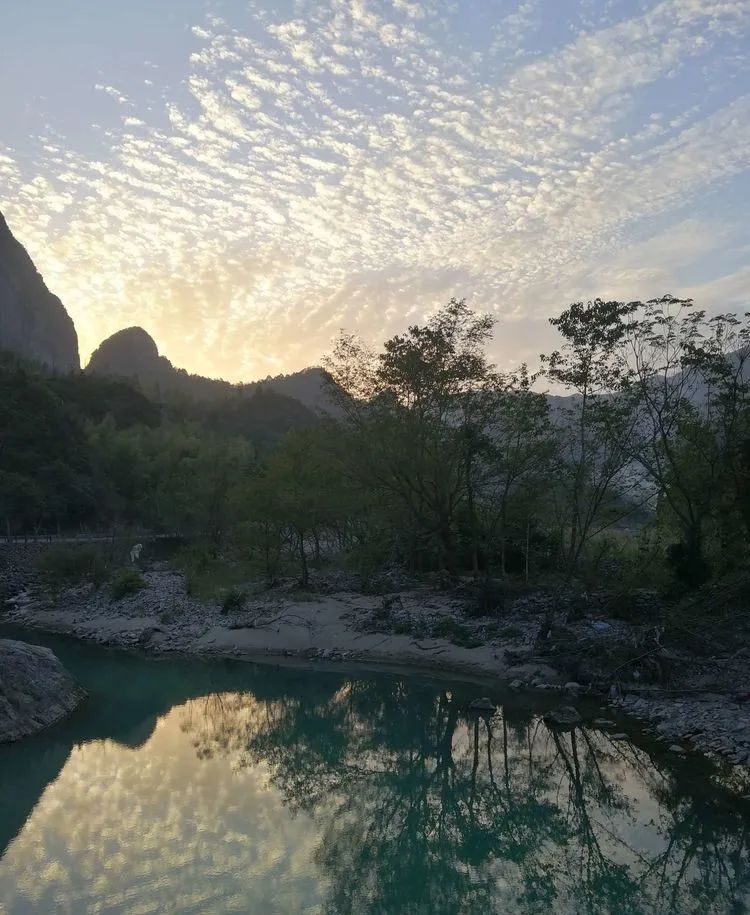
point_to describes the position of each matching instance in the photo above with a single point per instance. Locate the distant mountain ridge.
(133, 354)
(33, 322)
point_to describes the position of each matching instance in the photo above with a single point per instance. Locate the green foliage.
(212, 574)
(453, 631)
(64, 567)
(435, 462)
(126, 583)
(412, 412)
(486, 598)
(47, 475)
(233, 600)
(94, 398)
(263, 418)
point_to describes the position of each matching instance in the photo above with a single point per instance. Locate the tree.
(410, 412)
(594, 428)
(21, 501)
(520, 451)
(294, 501)
(686, 377)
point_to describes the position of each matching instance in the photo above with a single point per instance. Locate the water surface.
(220, 787)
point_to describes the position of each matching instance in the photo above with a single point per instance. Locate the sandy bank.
(349, 629)
(328, 628)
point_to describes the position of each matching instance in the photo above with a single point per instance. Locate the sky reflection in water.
(309, 792)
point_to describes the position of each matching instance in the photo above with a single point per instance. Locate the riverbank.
(35, 690)
(341, 626)
(537, 644)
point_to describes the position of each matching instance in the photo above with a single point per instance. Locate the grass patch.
(233, 600)
(211, 576)
(453, 631)
(409, 627)
(126, 583)
(66, 567)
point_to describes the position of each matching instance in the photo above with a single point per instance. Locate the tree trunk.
(303, 560)
(528, 541)
(448, 548)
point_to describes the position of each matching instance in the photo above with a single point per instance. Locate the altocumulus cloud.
(355, 163)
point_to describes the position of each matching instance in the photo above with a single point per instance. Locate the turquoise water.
(219, 787)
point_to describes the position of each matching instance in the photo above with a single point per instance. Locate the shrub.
(233, 599)
(127, 582)
(486, 597)
(65, 567)
(453, 631)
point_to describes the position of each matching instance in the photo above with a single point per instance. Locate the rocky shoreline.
(35, 690)
(416, 629)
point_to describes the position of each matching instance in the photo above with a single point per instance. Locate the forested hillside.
(432, 459)
(87, 452)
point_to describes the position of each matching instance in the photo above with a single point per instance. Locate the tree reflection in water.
(425, 809)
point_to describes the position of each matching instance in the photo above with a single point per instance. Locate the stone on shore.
(35, 690)
(483, 704)
(563, 717)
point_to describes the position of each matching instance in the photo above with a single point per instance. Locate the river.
(183, 786)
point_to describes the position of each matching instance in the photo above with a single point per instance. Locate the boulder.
(563, 717)
(484, 704)
(35, 690)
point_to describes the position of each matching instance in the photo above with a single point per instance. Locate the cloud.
(361, 164)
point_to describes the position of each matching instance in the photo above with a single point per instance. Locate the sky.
(246, 179)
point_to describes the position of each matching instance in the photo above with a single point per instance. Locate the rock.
(393, 604)
(603, 723)
(676, 748)
(519, 655)
(563, 717)
(484, 704)
(33, 322)
(515, 684)
(572, 687)
(618, 736)
(150, 636)
(35, 690)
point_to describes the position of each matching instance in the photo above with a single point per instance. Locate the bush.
(486, 597)
(233, 600)
(127, 582)
(65, 567)
(689, 566)
(453, 631)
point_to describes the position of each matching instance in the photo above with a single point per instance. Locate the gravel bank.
(417, 629)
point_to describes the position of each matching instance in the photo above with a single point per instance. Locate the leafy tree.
(293, 501)
(520, 454)
(21, 501)
(687, 378)
(594, 428)
(410, 415)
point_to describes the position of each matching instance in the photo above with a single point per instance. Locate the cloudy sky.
(245, 179)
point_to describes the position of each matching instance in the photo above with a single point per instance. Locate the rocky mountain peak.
(33, 322)
(131, 351)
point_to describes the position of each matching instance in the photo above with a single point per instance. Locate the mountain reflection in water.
(286, 791)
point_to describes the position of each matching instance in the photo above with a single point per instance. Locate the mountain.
(33, 322)
(263, 417)
(133, 354)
